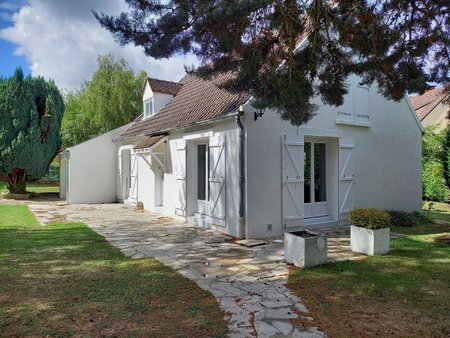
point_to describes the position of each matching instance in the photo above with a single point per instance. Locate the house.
(207, 155)
(432, 108)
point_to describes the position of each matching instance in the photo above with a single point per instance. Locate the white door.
(119, 176)
(180, 175)
(346, 177)
(315, 174)
(133, 177)
(217, 180)
(292, 180)
(202, 178)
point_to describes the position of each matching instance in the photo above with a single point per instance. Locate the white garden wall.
(92, 169)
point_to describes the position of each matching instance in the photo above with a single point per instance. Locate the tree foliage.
(400, 44)
(31, 110)
(435, 153)
(112, 98)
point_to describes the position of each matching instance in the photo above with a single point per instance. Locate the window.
(148, 107)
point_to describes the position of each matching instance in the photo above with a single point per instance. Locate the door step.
(200, 220)
(320, 222)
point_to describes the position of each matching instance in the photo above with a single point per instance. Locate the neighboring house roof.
(425, 103)
(198, 100)
(149, 142)
(165, 87)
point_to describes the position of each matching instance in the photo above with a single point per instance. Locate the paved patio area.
(249, 283)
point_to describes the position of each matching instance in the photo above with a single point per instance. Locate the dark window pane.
(307, 173)
(320, 192)
(201, 164)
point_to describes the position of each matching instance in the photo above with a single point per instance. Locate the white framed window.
(149, 108)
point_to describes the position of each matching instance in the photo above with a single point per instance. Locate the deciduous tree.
(112, 98)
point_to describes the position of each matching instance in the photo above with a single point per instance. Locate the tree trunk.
(17, 181)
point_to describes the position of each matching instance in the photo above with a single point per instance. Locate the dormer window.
(149, 107)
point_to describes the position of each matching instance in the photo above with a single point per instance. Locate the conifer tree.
(31, 111)
(285, 52)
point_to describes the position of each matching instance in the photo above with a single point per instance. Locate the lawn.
(66, 280)
(439, 211)
(34, 187)
(403, 294)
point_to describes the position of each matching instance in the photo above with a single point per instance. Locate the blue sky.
(61, 40)
(8, 61)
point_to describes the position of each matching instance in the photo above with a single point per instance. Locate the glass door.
(202, 179)
(315, 188)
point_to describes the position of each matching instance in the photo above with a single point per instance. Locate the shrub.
(420, 218)
(370, 218)
(401, 218)
(408, 219)
(434, 186)
(435, 164)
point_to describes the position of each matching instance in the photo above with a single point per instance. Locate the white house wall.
(387, 159)
(93, 170)
(146, 181)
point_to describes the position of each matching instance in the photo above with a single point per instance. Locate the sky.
(61, 40)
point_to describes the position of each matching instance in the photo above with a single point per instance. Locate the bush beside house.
(435, 152)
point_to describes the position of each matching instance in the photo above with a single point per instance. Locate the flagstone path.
(249, 283)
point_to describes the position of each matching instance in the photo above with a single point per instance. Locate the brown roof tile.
(165, 87)
(425, 103)
(197, 100)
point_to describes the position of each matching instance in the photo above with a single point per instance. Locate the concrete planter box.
(369, 241)
(305, 248)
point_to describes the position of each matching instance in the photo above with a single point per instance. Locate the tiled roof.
(425, 103)
(197, 100)
(148, 142)
(165, 87)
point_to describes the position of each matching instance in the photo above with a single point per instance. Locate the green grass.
(403, 294)
(66, 280)
(440, 211)
(34, 187)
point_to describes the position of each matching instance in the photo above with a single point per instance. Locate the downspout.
(242, 226)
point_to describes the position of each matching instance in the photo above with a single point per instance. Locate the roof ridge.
(161, 80)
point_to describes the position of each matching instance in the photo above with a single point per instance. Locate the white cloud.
(61, 40)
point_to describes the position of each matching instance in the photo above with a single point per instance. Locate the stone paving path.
(249, 283)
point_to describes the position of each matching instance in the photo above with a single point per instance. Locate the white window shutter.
(134, 177)
(293, 180)
(180, 176)
(361, 103)
(346, 177)
(345, 111)
(217, 180)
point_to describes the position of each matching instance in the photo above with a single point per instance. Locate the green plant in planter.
(370, 218)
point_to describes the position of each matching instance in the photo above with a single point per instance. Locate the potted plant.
(370, 232)
(305, 248)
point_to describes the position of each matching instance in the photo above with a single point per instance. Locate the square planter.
(305, 248)
(369, 241)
